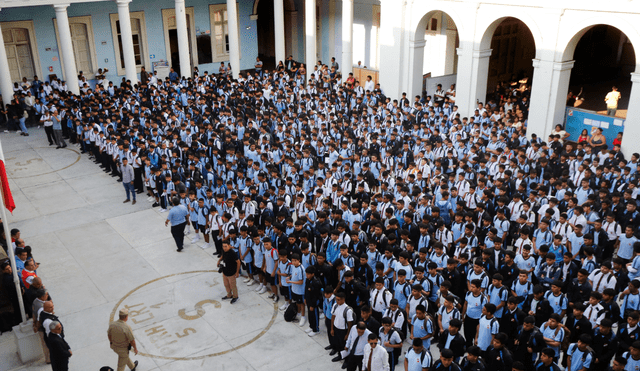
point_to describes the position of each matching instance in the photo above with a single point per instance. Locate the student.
(488, 326)
(271, 259)
(579, 355)
(553, 333)
(417, 358)
(473, 310)
(296, 281)
(283, 273)
(259, 259)
(342, 319)
(327, 306)
(446, 313)
(380, 298)
(422, 326)
(391, 341)
(313, 298)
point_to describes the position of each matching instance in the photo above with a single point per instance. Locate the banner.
(577, 120)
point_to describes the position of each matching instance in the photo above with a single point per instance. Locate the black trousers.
(59, 363)
(327, 324)
(313, 316)
(377, 315)
(354, 362)
(339, 340)
(470, 326)
(177, 231)
(49, 131)
(137, 181)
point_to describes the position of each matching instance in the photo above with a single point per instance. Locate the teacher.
(178, 219)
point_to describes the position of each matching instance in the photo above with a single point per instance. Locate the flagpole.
(7, 234)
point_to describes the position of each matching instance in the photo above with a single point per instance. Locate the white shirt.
(379, 358)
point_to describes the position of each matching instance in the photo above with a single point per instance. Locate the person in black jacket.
(528, 343)
(579, 289)
(577, 324)
(542, 309)
(313, 299)
(498, 356)
(452, 339)
(604, 346)
(58, 348)
(511, 320)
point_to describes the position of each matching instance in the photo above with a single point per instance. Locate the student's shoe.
(321, 315)
(133, 202)
(272, 296)
(284, 306)
(187, 231)
(135, 365)
(251, 282)
(125, 201)
(194, 240)
(234, 300)
(345, 365)
(276, 299)
(303, 321)
(163, 210)
(205, 246)
(260, 286)
(150, 199)
(328, 347)
(308, 330)
(247, 279)
(336, 359)
(313, 333)
(155, 204)
(226, 297)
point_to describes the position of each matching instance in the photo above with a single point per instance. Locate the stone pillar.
(183, 38)
(632, 123)
(347, 38)
(6, 85)
(310, 33)
(416, 55)
(392, 48)
(127, 41)
(66, 48)
(234, 44)
(450, 55)
(548, 96)
(479, 75)
(278, 19)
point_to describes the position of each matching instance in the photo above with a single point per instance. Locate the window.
(139, 37)
(83, 45)
(220, 32)
(22, 50)
(433, 25)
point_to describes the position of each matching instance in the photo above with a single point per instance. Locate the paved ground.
(99, 255)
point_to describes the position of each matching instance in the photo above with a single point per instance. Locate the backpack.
(588, 351)
(291, 312)
(566, 340)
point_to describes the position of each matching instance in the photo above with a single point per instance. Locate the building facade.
(470, 43)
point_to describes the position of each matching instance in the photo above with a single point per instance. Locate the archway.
(433, 54)
(510, 68)
(603, 57)
(264, 10)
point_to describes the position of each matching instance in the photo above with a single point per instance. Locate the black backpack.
(291, 312)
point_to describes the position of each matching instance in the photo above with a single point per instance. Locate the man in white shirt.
(353, 352)
(612, 99)
(375, 357)
(603, 278)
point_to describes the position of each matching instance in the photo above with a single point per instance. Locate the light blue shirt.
(577, 356)
(487, 328)
(177, 215)
(625, 250)
(297, 274)
(413, 360)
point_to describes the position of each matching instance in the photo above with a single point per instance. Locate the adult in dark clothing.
(9, 288)
(579, 289)
(604, 346)
(58, 348)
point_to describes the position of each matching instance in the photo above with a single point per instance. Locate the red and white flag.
(6, 191)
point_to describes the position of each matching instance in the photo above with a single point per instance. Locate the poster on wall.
(576, 120)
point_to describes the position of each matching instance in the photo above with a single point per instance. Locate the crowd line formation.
(394, 220)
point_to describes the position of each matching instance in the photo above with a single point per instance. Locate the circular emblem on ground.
(181, 317)
(37, 161)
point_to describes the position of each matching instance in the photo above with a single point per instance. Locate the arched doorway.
(603, 57)
(433, 54)
(510, 69)
(264, 10)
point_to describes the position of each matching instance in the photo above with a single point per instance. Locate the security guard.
(121, 340)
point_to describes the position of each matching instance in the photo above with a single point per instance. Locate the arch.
(568, 40)
(487, 34)
(420, 21)
(289, 5)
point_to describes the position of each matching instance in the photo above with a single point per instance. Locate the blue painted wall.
(43, 18)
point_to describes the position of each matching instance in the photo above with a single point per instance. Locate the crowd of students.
(404, 217)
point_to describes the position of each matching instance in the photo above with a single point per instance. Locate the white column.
(293, 22)
(347, 37)
(450, 54)
(471, 85)
(278, 20)
(66, 48)
(127, 41)
(548, 96)
(392, 18)
(310, 33)
(234, 44)
(416, 55)
(183, 39)
(6, 86)
(632, 123)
